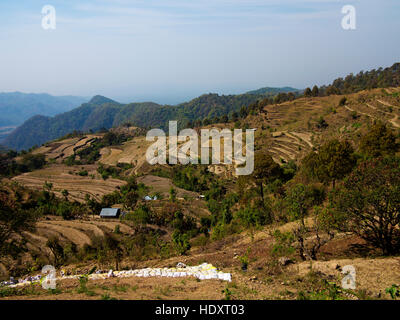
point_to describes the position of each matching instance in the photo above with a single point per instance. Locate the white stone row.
(204, 271)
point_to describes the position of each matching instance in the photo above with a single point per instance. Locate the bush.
(222, 230)
(342, 101)
(181, 242)
(83, 173)
(65, 210)
(117, 229)
(283, 243)
(354, 115)
(255, 216)
(321, 124)
(141, 215)
(394, 291)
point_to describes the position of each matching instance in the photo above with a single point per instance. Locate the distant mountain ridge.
(16, 107)
(270, 91)
(40, 129)
(101, 112)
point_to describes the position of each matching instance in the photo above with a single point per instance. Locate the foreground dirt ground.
(265, 278)
(373, 276)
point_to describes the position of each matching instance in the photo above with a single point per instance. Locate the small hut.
(110, 213)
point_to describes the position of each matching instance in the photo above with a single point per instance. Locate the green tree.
(334, 161)
(300, 199)
(315, 91)
(331, 90)
(321, 124)
(47, 186)
(65, 194)
(130, 199)
(342, 101)
(308, 92)
(258, 215)
(379, 141)
(265, 170)
(64, 210)
(234, 117)
(12, 222)
(172, 194)
(291, 96)
(205, 225)
(114, 248)
(93, 204)
(368, 204)
(56, 249)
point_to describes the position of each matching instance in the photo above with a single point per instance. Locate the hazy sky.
(171, 50)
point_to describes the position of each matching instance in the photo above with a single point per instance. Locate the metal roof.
(110, 212)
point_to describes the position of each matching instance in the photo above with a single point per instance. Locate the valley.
(199, 213)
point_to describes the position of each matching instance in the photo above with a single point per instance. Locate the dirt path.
(363, 113)
(306, 137)
(281, 151)
(392, 121)
(387, 104)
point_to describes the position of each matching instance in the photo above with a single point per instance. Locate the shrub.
(342, 101)
(227, 294)
(83, 173)
(117, 229)
(321, 123)
(181, 242)
(354, 115)
(255, 216)
(141, 215)
(394, 291)
(283, 243)
(65, 210)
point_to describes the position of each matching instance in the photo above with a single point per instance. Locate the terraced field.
(60, 150)
(131, 152)
(293, 129)
(292, 133)
(79, 232)
(64, 177)
(163, 186)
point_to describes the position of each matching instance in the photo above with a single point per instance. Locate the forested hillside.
(101, 112)
(207, 106)
(40, 129)
(268, 91)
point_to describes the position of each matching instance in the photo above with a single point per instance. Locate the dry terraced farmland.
(65, 177)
